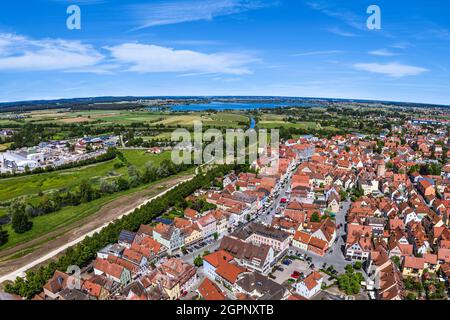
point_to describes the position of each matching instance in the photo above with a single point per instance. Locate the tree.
(3, 236)
(216, 236)
(19, 219)
(86, 191)
(358, 265)
(123, 184)
(396, 260)
(198, 261)
(350, 282)
(315, 217)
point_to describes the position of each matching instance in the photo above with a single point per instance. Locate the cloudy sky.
(307, 48)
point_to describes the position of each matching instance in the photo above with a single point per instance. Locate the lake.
(220, 106)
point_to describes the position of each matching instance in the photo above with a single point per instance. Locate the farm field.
(228, 120)
(33, 184)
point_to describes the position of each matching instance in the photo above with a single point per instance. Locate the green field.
(33, 184)
(50, 222)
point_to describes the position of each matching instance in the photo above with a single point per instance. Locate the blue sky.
(312, 48)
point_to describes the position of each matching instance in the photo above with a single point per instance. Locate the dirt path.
(57, 241)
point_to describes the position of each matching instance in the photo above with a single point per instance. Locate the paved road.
(268, 214)
(335, 255)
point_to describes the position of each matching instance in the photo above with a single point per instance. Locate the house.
(259, 287)
(207, 225)
(248, 255)
(135, 257)
(112, 271)
(413, 266)
(228, 273)
(221, 221)
(56, 284)
(169, 236)
(126, 238)
(98, 286)
(426, 188)
(213, 260)
(185, 273)
(192, 234)
(359, 242)
(318, 239)
(208, 290)
(260, 234)
(309, 286)
(172, 277)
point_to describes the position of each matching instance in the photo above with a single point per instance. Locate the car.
(312, 266)
(295, 275)
(184, 293)
(287, 262)
(280, 268)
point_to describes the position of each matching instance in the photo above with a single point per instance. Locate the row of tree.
(85, 251)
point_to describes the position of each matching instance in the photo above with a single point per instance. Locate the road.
(335, 255)
(268, 214)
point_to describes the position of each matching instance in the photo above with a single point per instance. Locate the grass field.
(4, 146)
(279, 124)
(298, 125)
(50, 222)
(227, 120)
(33, 184)
(3, 212)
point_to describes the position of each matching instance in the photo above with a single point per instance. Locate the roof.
(106, 267)
(57, 283)
(414, 263)
(261, 230)
(127, 236)
(229, 272)
(246, 251)
(312, 280)
(264, 286)
(210, 291)
(217, 257)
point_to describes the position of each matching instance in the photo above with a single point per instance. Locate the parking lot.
(297, 269)
(198, 248)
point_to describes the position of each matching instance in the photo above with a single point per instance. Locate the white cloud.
(393, 69)
(318, 53)
(383, 53)
(164, 13)
(152, 58)
(337, 11)
(342, 33)
(20, 53)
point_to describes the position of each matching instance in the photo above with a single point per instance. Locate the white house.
(309, 286)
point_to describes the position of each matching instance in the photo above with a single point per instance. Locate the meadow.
(34, 184)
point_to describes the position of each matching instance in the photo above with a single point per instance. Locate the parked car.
(287, 262)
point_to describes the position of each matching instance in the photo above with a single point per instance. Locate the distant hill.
(129, 102)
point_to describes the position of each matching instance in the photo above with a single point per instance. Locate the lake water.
(220, 106)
